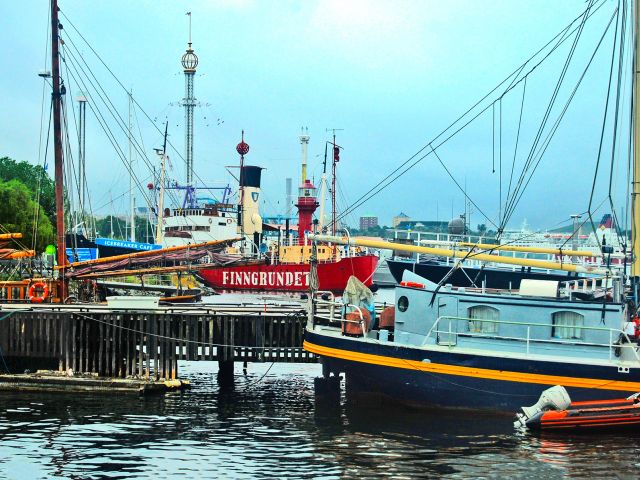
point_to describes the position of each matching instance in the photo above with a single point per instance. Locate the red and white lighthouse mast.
(307, 196)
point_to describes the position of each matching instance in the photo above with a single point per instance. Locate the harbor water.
(268, 426)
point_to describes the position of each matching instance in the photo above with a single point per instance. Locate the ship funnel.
(250, 202)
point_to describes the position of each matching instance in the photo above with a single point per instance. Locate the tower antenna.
(189, 64)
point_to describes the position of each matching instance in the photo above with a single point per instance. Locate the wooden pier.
(93, 339)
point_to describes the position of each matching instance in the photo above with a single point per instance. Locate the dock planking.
(147, 344)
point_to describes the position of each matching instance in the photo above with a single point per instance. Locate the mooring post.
(226, 354)
(327, 388)
(225, 374)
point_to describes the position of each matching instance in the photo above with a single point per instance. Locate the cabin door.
(447, 327)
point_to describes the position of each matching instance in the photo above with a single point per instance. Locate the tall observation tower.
(189, 64)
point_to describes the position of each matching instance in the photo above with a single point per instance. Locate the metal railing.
(528, 340)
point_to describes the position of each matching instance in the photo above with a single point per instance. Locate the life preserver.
(32, 292)
(636, 326)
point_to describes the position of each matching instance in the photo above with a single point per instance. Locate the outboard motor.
(554, 398)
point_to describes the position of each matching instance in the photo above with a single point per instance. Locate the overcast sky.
(391, 74)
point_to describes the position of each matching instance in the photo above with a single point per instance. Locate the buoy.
(32, 292)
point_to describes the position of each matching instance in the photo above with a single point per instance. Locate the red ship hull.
(332, 276)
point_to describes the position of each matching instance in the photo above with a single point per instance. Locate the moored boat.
(457, 347)
(475, 347)
(332, 275)
(556, 411)
(285, 265)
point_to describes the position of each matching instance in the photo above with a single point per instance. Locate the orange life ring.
(32, 292)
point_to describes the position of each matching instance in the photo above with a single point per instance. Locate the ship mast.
(163, 158)
(304, 143)
(323, 190)
(635, 185)
(334, 163)
(57, 93)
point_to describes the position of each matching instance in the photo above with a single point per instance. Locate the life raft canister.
(32, 292)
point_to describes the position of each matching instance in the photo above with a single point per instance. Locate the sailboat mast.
(58, 152)
(132, 212)
(635, 185)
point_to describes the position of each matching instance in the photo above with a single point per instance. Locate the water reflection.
(268, 426)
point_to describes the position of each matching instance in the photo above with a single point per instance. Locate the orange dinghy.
(555, 411)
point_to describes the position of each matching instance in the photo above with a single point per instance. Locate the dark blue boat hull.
(415, 385)
(500, 278)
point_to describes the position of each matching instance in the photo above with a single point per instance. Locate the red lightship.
(286, 267)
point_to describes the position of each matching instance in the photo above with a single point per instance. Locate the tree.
(104, 225)
(19, 212)
(482, 228)
(36, 179)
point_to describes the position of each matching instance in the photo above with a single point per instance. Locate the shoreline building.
(368, 221)
(401, 217)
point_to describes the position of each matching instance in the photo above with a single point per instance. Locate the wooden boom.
(148, 253)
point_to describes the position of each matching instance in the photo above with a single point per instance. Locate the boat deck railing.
(330, 311)
(452, 332)
(585, 285)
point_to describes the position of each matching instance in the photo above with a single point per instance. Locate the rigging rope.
(518, 190)
(602, 132)
(413, 160)
(545, 144)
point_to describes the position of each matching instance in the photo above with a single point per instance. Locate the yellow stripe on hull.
(489, 374)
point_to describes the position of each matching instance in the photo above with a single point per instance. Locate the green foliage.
(17, 214)
(104, 225)
(144, 232)
(34, 177)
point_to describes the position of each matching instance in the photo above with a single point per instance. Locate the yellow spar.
(516, 248)
(443, 252)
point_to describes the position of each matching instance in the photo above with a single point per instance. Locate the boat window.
(482, 312)
(567, 325)
(403, 303)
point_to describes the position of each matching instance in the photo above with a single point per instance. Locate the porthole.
(403, 303)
